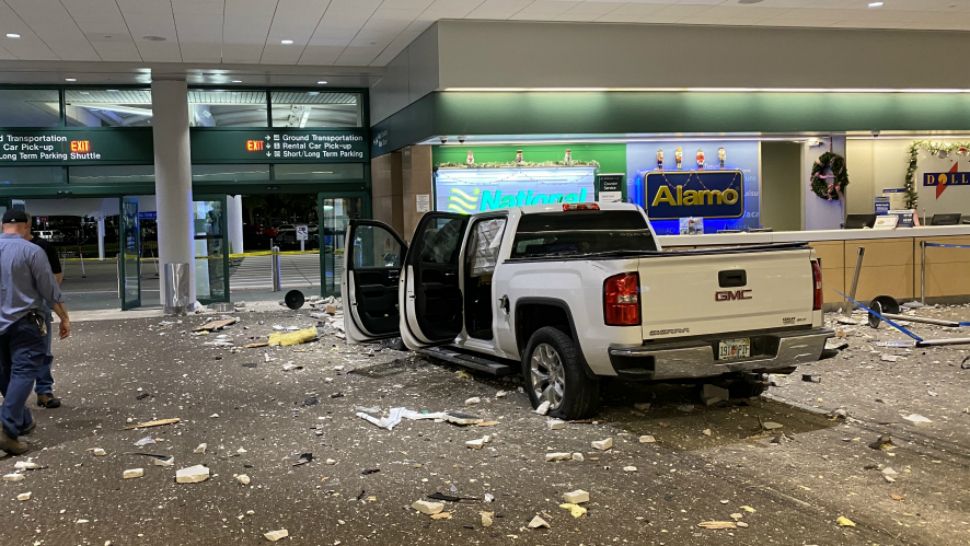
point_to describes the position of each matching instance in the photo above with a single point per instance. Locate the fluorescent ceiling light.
(70, 79)
(286, 42)
(322, 82)
(13, 35)
(236, 81)
(876, 4)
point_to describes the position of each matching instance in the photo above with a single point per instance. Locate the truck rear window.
(582, 233)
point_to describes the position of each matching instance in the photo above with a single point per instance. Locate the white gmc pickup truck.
(568, 294)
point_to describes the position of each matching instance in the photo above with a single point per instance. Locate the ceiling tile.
(30, 46)
(498, 9)
(152, 18)
(294, 20)
(199, 26)
(53, 24)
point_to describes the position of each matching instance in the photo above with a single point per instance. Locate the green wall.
(611, 157)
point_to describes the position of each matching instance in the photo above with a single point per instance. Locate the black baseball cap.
(14, 216)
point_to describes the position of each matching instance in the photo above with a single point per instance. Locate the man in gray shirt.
(26, 283)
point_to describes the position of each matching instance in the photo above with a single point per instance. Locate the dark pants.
(45, 381)
(21, 356)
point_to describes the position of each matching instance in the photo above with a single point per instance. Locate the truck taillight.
(817, 283)
(621, 300)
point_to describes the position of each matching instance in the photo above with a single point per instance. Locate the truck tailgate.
(711, 293)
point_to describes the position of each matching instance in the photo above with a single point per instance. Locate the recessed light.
(322, 82)
(286, 42)
(153, 38)
(236, 81)
(13, 35)
(749, 1)
(70, 79)
(876, 4)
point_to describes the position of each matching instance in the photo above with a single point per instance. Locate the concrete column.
(101, 238)
(173, 191)
(235, 219)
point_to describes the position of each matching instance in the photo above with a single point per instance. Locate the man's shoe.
(12, 445)
(48, 401)
(30, 428)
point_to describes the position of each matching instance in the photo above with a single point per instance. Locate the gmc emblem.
(732, 295)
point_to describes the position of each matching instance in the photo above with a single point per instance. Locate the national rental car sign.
(704, 194)
(469, 191)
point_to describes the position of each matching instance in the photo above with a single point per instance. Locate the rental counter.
(892, 265)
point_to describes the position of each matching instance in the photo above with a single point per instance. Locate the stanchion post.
(277, 277)
(84, 274)
(847, 309)
(922, 274)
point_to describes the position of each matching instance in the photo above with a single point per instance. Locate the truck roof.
(557, 207)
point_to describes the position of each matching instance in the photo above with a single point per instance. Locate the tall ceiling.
(369, 33)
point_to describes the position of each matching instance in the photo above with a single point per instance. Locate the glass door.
(129, 254)
(334, 212)
(211, 249)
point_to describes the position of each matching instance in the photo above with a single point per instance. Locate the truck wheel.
(554, 373)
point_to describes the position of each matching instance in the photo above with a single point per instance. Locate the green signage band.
(279, 146)
(121, 146)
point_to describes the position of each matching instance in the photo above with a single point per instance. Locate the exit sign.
(255, 145)
(80, 146)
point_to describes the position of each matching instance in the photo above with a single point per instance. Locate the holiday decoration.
(700, 158)
(679, 157)
(470, 158)
(829, 176)
(721, 156)
(660, 159)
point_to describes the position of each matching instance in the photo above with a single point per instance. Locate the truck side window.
(441, 243)
(483, 246)
(376, 247)
(580, 233)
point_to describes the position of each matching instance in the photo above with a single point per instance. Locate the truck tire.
(553, 371)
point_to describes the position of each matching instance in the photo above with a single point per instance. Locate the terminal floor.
(708, 463)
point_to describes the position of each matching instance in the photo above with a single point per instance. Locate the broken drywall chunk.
(192, 474)
(243, 479)
(603, 445)
(578, 496)
(273, 536)
(538, 523)
(133, 473)
(428, 507)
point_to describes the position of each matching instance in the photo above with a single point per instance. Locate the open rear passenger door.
(369, 282)
(430, 295)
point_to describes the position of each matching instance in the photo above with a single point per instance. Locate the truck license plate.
(732, 349)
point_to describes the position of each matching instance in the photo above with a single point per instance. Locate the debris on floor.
(395, 415)
(155, 423)
(603, 445)
(192, 474)
(428, 507)
(216, 325)
(133, 473)
(306, 335)
(274, 536)
(538, 523)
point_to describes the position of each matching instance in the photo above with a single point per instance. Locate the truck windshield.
(582, 233)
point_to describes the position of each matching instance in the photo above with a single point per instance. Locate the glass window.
(223, 108)
(484, 246)
(374, 246)
(320, 172)
(108, 107)
(114, 174)
(14, 176)
(29, 108)
(230, 173)
(441, 240)
(299, 109)
(581, 233)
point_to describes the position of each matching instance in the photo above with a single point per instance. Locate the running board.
(481, 364)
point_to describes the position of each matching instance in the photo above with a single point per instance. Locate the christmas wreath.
(829, 176)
